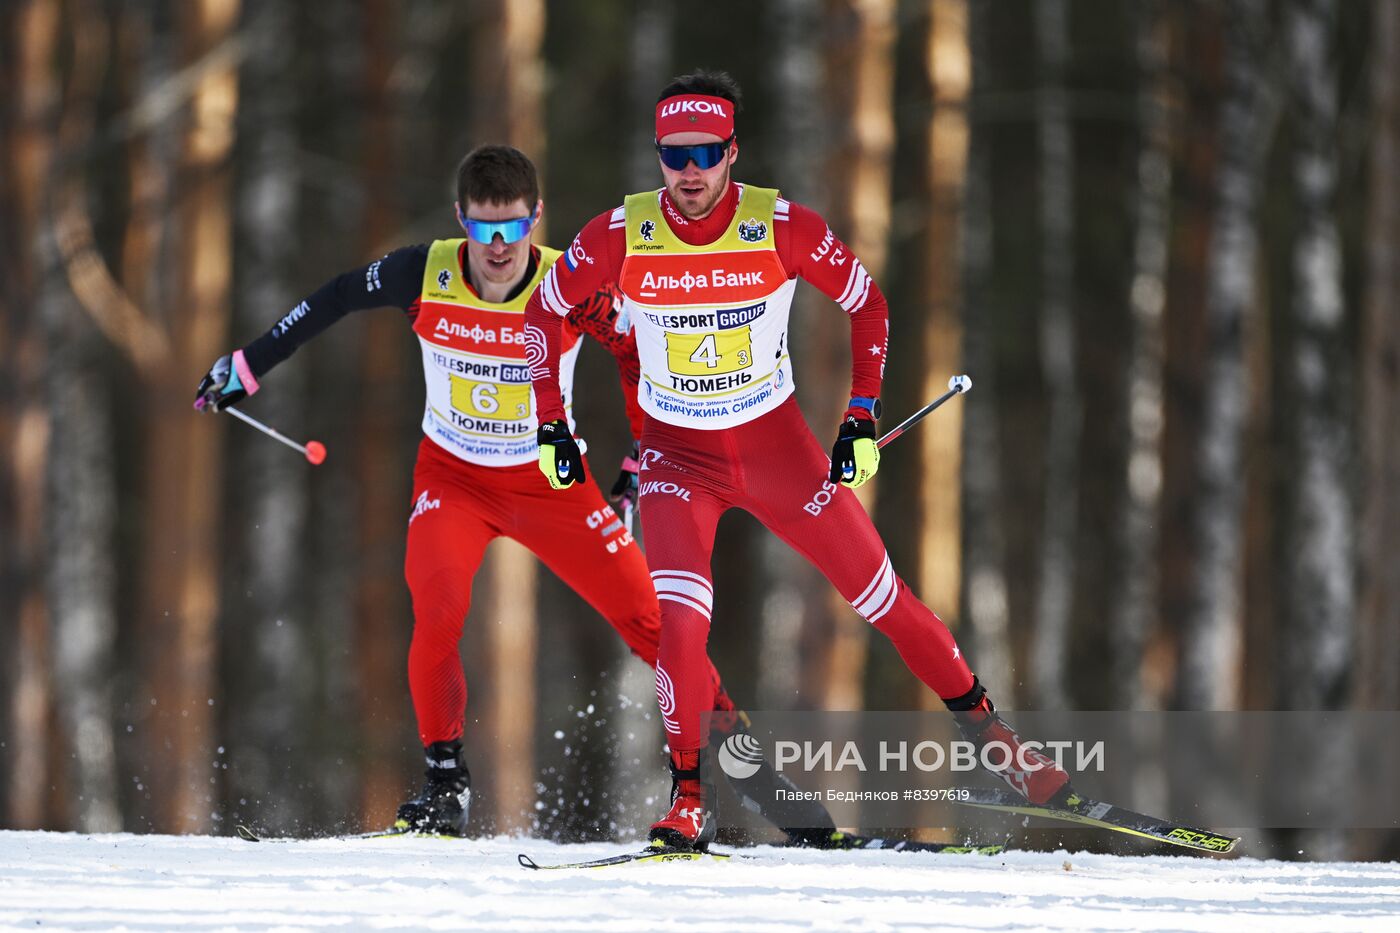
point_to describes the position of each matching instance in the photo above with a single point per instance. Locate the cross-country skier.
(707, 269)
(475, 476)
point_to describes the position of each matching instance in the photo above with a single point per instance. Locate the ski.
(247, 834)
(847, 843)
(649, 854)
(1083, 810)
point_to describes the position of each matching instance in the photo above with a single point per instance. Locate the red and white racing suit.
(475, 478)
(709, 302)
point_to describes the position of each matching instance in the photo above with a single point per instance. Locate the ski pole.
(314, 451)
(957, 385)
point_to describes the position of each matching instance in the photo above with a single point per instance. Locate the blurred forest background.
(1161, 237)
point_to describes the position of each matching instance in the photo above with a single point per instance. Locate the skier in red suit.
(707, 268)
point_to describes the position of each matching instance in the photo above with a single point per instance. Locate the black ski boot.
(441, 806)
(763, 790)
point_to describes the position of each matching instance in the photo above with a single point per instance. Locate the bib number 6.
(501, 402)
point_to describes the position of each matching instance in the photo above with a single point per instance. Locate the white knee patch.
(688, 589)
(879, 594)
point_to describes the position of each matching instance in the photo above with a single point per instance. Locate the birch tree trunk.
(81, 489)
(1212, 627)
(1054, 596)
(985, 600)
(1319, 525)
(1378, 648)
(32, 90)
(1134, 602)
(1195, 53)
(268, 626)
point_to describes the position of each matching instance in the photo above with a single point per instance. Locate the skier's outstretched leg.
(827, 524)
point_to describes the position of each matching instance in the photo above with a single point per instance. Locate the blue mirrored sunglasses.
(705, 155)
(484, 231)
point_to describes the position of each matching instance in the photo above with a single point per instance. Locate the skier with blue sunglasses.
(475, 478)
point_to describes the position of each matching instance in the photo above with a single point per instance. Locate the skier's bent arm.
(601, 318)
(584, 270)
(808, 248)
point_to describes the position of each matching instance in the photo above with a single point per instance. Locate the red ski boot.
(689, 824)
(1030, 773)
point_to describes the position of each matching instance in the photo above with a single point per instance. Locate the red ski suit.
(459, 507)
(769, 465)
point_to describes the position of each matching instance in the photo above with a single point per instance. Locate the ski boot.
(1030, 773)
(690, 824)
(441, 806)
(762, 790)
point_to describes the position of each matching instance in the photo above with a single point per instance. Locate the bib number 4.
(727, 351)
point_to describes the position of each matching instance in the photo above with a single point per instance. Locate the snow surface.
(65, 881)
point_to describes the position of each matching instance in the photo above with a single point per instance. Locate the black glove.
(854, 456)
(623, 494)
(221, 386)
(561, 461)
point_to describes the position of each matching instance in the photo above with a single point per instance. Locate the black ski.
(851, 842)
(649, 854)
(248, 835)
(1083, 810)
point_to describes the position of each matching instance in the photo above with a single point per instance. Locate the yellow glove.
(854, 456)
(561, 461)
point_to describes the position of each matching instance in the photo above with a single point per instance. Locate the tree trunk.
(31, 95)
(1379, 618)
(269, 639)
(1318, 646)
(510, 84)
(1211, 628)
(80, 569)
(920, 493)
(381, 601)
(1195, 53)
(985, 600)
(788, 649)
(183, 472)
(948, 59)
(1050, 645)
(858, 53)
(635, 772)
(1134, 601)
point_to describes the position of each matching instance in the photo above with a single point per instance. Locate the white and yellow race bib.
(480, 405)
(711, 320)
